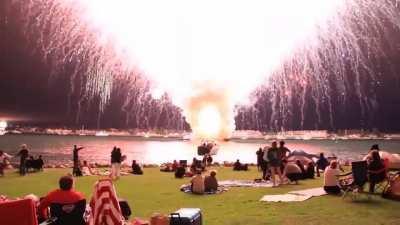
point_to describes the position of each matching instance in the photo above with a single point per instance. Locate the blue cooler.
(186, 216)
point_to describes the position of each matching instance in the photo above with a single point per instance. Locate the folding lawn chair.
(105, 206)
(66, 214)
(354, 181)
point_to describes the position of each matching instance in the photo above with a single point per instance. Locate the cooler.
(186, 216)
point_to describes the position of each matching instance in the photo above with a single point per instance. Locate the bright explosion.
(194, 49)
(229, 44)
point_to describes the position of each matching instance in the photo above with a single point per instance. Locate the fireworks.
(297, 49)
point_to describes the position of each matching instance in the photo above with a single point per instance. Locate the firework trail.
(334, 63)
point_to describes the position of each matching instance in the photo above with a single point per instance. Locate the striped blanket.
(104, 204)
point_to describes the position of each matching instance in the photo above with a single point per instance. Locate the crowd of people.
(27, 162)
(84, 169)
(274, 162)
(376, 169)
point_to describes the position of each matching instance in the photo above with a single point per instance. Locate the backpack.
(392, 190)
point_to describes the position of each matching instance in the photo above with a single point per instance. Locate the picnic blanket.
(226, 184)
(295, 196)
(186, 188)
(285, 198)
(244, 183)
(313, 192)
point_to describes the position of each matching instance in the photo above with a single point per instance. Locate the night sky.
(29, 94)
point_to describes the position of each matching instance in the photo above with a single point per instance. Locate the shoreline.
(234, 139)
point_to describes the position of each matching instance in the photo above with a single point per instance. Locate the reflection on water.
(97, 149)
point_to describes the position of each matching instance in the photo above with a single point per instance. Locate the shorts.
(275, 163)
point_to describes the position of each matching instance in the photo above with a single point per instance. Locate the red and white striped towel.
(105, 209)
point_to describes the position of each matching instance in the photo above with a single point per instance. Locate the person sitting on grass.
(211, 183)
(40, 163)
(64, 195)
(196, 165)
(331, 180)
(175, 165)
(322, 163)
(86, 170)
(310, 171)
(292, 171)
(4, 157)
(197, 183)
(136, 169)
(238, 166)
(180, 171)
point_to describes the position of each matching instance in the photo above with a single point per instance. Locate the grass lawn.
(158, 192)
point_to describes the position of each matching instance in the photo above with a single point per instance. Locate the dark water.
(147, 150)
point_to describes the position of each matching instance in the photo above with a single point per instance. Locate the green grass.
(158, 192)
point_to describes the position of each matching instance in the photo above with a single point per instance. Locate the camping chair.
(105, 208)
(66, 214)
(354, 181)
(19, 212)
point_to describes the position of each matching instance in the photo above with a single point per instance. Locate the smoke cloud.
(215, 104)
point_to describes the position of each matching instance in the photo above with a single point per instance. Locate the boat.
(207, 147)
(3, 126)
(102, 134)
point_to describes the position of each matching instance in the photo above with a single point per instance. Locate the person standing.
(264, 164)
(274, 162)
(260, 155)
(283, 152)
(322, 163)
(76, 171)
(116, 159)
(23, 154)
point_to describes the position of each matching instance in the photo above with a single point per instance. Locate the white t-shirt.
(330, 177)
(198, 184)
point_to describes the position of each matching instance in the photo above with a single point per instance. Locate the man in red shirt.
(65, 195)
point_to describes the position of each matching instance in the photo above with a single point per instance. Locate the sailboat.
(3, 126)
